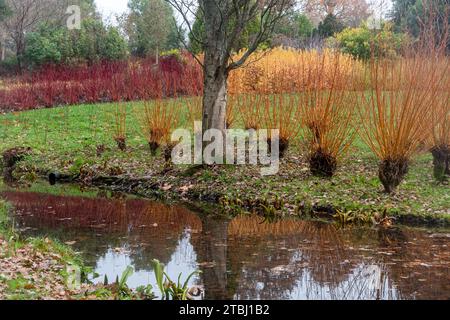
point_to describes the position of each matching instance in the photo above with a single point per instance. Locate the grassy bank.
(37, 269)
(67, 139)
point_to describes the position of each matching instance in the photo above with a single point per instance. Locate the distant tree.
(408, 15)
(150, 27)
(329, 26)
(411, 16)
(405, 15)
(295, 25)
(96, 42)
(26, 16)
(4, 10)
(197, 33)
(57, 44)
(88, 8)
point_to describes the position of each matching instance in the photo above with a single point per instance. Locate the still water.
(244, 257)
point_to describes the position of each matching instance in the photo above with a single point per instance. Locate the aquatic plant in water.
(169, 289)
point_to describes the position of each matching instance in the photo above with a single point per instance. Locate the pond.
(240, 258)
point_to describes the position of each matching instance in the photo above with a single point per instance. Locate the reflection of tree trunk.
(212, 254)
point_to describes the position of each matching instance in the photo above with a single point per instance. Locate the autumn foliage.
(107, 81)
(283, 70)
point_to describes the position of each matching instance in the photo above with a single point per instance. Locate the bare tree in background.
(26, 15)
(224, 22)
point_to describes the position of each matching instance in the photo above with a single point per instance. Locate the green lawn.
(66, 139)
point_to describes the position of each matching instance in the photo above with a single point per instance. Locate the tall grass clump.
(440, 148)
(409, 101)
(327, 109)
(249, 107)
(436, 42)
(120, 125)
(396, 115)
(160, 117)
(280, 112)
(232, 108)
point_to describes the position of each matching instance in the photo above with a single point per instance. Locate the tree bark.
(20, 50)
(215, 99)
(215, 70)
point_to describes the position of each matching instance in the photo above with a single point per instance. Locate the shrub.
(159, 118)
(249, 106)
(363, 43)
(281, 71)
(94, 42)
(42, 49)
(440, 135)
(280, 112)
(396, 115)
(54, 85)
(120, 125)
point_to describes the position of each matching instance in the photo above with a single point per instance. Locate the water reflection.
(242, 258)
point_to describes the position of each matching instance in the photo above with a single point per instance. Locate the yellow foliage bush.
(283, 70)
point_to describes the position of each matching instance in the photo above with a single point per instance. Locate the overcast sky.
(111, 7)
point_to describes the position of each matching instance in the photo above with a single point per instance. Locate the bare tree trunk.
(215, 71)
(215, 99)
(20, 49)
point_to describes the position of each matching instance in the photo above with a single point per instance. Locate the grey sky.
(111, 7)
